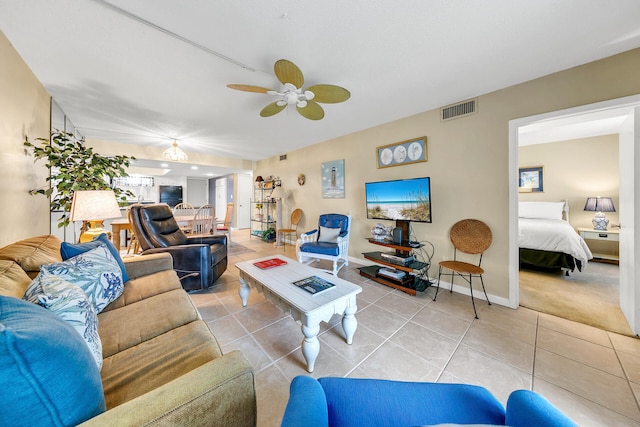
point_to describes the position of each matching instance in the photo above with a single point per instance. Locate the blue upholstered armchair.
(356, 402)
(329, 241)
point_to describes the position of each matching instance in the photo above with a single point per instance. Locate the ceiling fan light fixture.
(292, 93)
(175, 153)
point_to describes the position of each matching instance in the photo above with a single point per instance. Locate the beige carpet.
(589, 297)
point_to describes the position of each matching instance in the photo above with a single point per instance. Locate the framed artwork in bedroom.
(530, 180)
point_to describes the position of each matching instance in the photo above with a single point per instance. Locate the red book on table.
(269, 263)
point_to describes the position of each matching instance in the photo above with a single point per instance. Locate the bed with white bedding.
(547, 240)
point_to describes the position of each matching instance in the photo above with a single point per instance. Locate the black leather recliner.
(199, 261)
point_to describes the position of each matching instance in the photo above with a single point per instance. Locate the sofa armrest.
(220, 392)
(144, 265)
(307, 404)
(527, 408)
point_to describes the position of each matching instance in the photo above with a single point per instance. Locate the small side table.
(606, 235)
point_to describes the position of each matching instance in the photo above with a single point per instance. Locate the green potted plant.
(74, 166)
(269, 234)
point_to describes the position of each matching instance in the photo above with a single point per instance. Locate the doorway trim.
(514, 125)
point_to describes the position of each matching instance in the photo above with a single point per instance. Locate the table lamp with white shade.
(94, 206)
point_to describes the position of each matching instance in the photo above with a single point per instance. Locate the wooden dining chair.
(225, 226)
(182, 210)
(203, 220)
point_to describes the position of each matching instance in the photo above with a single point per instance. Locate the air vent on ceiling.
(283, 157)
(460, 109)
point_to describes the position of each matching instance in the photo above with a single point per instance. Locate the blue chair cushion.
(323, 248)
(359, 402)
(69, 250)
(49, 377)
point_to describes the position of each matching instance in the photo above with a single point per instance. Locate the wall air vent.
(460, 109)
(283, 157)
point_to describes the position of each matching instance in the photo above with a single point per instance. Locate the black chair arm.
(219, 239)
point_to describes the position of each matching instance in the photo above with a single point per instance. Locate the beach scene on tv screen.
(405, 199)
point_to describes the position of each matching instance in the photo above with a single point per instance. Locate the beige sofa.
(161, 363)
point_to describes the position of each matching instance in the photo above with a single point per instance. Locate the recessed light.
(164, 165)
(195, 168)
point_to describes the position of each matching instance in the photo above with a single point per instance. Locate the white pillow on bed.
(540, 210)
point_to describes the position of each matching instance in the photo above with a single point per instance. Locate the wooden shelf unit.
(412, 287)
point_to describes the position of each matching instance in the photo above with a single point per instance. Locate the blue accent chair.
(329, 241)
(356, 402)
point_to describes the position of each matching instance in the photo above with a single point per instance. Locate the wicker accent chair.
(296, 216)
(472, 237)
(330, 241)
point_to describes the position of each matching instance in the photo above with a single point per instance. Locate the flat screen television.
(402, 199)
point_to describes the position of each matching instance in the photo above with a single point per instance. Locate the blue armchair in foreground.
(356, 402)
(329, 241)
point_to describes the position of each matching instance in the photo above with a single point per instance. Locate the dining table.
(122, 224)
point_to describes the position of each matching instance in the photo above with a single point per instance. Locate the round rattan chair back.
(296, 216)
(471, 236)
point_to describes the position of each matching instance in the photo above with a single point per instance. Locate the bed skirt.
(548, 260)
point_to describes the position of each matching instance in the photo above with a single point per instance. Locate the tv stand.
(408, 283)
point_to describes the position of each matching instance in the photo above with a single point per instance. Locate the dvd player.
(391, 272)
(403, 259)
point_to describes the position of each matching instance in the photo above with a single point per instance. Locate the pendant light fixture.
(175, 154)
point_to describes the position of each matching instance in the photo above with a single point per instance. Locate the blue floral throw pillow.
(96, 272)
(70, 303)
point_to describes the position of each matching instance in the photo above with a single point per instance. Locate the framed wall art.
(530, 180)
(333, 179)
(402, 153)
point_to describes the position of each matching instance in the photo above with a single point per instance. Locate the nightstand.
(606, 235)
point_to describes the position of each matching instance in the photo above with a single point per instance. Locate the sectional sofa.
(160, 363)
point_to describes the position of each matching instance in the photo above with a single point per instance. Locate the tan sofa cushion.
(144, 287)
(13, 280)
(157, 361)
(139, 322)
(31, 253)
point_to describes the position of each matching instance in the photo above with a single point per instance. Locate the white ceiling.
(151, 71)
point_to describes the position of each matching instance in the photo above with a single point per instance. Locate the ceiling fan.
(291, 92)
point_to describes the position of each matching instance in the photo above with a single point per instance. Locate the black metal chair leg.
(485, 291)
(438, 287)
(472, 301)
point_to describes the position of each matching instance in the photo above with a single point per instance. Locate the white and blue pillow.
(71, 304)
(96, 272)
(69, 250)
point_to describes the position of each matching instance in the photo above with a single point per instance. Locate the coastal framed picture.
(402, 153)
(530, 180)
(333, 179)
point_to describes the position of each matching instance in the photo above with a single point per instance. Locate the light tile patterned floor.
(591, 375)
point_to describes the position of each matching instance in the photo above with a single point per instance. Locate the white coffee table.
(276, 284)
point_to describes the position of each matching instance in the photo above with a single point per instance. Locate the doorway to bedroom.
(580, 154)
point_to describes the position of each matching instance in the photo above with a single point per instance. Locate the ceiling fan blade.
(272, 109)
(313, 111)
(329, 94)
(288, 72)
(249, 88)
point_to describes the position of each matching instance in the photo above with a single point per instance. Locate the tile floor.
(591, 375)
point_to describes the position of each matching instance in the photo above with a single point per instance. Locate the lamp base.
(96, 228)
(600, 222)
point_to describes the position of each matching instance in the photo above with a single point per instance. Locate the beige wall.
(574, 170)
(468, 160)
(24, 111)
